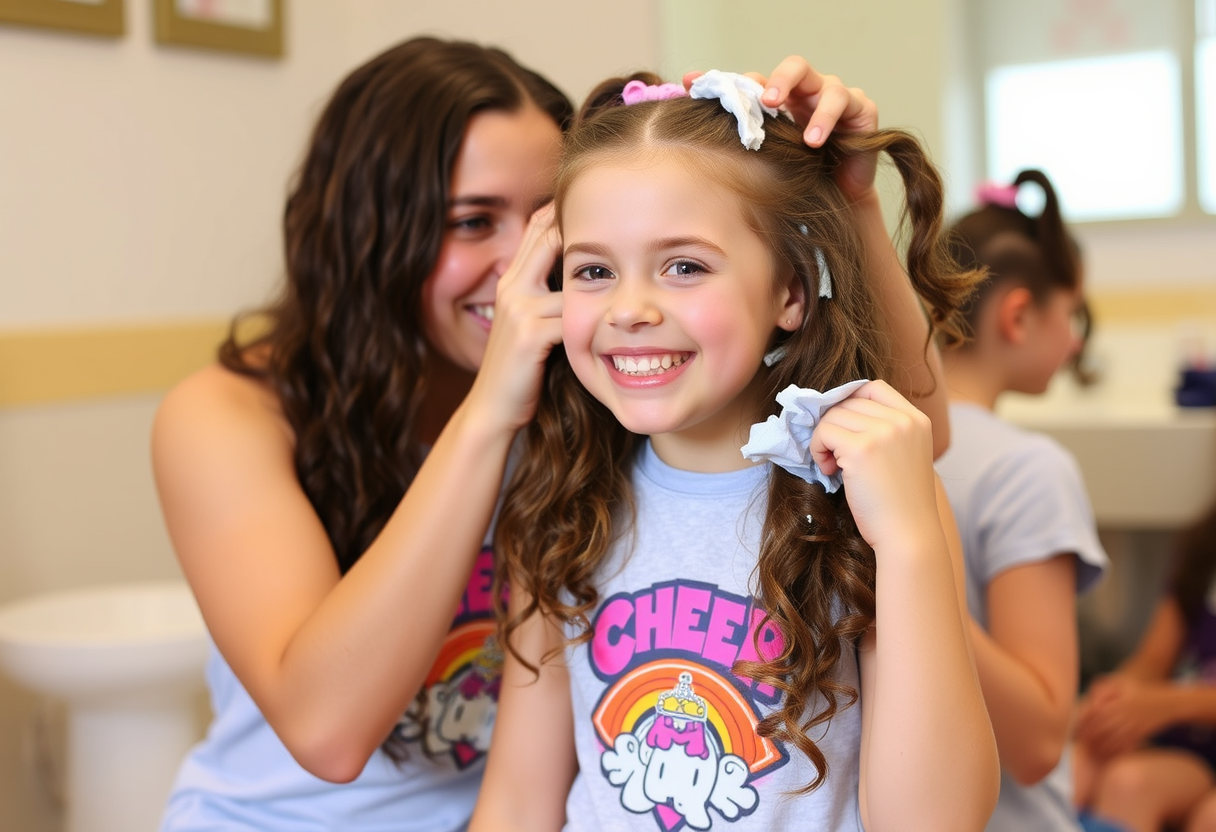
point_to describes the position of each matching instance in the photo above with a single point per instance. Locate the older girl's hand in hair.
(527, 324)
(823, 105)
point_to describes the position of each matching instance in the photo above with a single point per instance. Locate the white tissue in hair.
(740, 96)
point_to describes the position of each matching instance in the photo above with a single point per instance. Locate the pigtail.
(1050, 231)
(1063, 258)
(935, 274)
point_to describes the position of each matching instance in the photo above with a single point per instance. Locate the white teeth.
(647, 365)
(485, 310)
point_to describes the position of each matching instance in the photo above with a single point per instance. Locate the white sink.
(128, 660)
(1145, 466)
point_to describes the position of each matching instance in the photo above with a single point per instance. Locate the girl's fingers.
(875, 416)
(538, 249)
(878, 393)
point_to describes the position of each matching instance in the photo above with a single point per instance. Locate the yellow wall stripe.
(61, 365)
(1139, 306)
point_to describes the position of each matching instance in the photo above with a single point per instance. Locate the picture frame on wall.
(90, 17)
(252, 27)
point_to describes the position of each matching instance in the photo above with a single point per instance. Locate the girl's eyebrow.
(665, 243)
(594, 249)
(654, 246)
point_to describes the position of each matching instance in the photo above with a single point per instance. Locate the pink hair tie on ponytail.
(1002, 196)
(636, 91)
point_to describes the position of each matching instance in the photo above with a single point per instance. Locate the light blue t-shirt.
(1018, 498)
(664, 729)
(241, 777)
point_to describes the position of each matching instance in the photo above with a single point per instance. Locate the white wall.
(144, 184)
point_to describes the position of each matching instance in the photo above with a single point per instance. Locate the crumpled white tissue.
(740, 96)
(785, 439)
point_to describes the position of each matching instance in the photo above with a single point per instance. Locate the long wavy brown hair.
(343, 348)
(570, 498)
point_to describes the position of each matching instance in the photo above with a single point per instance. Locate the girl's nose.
(633, 305)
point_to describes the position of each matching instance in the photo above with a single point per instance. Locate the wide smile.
(647, 368)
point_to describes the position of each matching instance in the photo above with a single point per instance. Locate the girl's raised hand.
(883, 446)
(527, 324)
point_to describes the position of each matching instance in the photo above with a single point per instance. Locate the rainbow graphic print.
(676, 725)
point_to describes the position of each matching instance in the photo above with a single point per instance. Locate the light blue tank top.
(241, 777)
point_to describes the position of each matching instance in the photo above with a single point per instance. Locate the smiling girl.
(694, 639)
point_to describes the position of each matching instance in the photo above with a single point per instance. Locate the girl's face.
(668, 307)
(1054, 339)
(503, 173)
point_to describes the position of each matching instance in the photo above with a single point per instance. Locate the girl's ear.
(793, 304)
(1013, 310)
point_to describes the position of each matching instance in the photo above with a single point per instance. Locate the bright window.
(1091, 92)
(1072, 120)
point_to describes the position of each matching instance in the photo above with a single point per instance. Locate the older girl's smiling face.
(503, 174)
(669, 304)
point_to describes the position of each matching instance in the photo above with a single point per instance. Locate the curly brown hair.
(570, 497)
(344, 348)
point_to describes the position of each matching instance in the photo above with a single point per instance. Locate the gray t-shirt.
(1018, 498)
(665, 731)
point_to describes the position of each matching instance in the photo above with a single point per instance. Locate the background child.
(747, 649)
(1146, 733)
(1026, 523)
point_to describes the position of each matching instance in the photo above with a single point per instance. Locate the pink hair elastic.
(1002, 196)
(636, 91)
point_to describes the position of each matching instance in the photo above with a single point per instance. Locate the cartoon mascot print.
(672, 759)
(455, 714)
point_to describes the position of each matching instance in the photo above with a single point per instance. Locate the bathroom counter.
(1147, 464)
